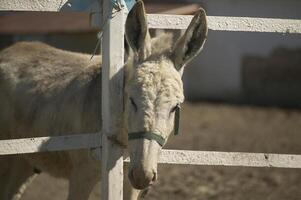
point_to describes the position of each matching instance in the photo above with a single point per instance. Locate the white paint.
(160, 21)
(215, 158)
(32, 5)
(112, 101)
(183, 157)
(44, 144)
(222, 23)
(230, 159)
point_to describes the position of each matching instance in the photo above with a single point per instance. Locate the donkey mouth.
(141, 179)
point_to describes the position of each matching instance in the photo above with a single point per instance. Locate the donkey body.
(46, 91)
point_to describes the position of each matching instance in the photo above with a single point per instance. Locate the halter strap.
(177, 120)
(147, 135)
(154, 136)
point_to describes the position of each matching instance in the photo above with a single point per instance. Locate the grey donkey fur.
(45, 91)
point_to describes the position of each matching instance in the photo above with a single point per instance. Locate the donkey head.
(154, 91)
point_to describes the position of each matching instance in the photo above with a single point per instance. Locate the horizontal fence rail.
(161, 21)
(32, 5)
(181, 157)
(230, 159)
(221, 23)
(54, 143)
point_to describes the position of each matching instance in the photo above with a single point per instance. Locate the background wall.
(219, 72)
(216, 73)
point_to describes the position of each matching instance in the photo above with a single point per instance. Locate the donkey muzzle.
(141, 178)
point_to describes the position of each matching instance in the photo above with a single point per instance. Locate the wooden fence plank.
(221, 23)
(214, 158)
(230, 159)
(182, 157)
(218, 23)
(44, 144)
(112, 101)
(32, 5)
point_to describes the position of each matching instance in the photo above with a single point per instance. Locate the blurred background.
(243, 93)
(236, 67)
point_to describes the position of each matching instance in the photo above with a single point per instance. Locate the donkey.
(46, 91)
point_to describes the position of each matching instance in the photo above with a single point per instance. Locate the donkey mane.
(160, 45)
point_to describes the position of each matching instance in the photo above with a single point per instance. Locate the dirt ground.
(217, 127)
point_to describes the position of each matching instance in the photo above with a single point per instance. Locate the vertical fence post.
(112, 100)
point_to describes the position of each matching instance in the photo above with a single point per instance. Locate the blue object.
(129, 4)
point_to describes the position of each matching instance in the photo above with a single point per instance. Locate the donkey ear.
(191, 43)
(136, 31)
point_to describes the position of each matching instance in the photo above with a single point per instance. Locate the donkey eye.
(134, 104)
(175, 108)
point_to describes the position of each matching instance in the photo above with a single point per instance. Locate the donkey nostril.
(154, 177)
(141, 179)
(131, 175)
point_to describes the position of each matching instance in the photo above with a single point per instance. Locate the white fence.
(62, 143)
(112, 169)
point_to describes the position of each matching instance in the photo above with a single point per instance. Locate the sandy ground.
(217, 127)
